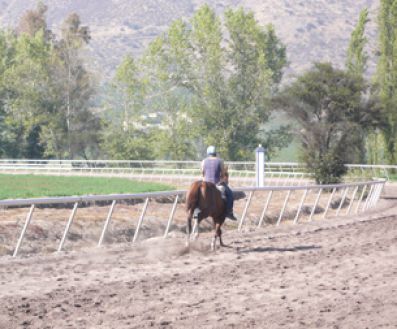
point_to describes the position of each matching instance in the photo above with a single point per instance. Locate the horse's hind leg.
(219, 233)
(196, 228)
(216, 235)
(213, 243)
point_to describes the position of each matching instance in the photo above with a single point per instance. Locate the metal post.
(352, 200)
(300, 206)
(315, 204)
(265, 208)
(28, 218)
(140, 220)
(342, 201)
(329, 202)
(106, 223)
(283, 209)
(367, 199)
(374, 196)
(371, 198)
(69, 223)
(245, 210)
(259, 166)
(379, 194)
(171, 216)
(361, 198)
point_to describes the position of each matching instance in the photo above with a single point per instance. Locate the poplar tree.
(357, 57)
(387, 73)
(356, 64)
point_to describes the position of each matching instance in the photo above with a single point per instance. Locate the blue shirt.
(212, 168)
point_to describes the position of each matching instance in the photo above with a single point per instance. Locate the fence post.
(361, 199)
(379, 194)
(315, 204)
(105, 226)
(28, 218)
(171, 216)
(265, 208)
(259, 166)
(140, 220)
(68, 224)
(300, 206)
(245, 210)
(368, 197)
(352, 200)
(342, 201)
(329, 202)
(283, 209)
(374, 196)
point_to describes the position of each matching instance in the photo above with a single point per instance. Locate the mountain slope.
(313, 30)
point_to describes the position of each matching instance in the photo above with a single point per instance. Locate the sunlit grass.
(29, 186)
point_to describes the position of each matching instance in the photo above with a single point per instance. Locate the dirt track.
(324, 274)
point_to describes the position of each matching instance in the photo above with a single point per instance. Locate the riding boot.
(230, 215)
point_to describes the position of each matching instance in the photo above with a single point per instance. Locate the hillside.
(313, 30)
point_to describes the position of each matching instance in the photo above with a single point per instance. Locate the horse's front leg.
(188, 228)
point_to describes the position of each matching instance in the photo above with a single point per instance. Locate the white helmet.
(211, 150)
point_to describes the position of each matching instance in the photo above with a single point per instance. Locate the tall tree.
(33, 21)
(29, 89)
(76, 85)
(356, 64)
(211, 83)
(357, 57)
(328, 105)
(387, 73)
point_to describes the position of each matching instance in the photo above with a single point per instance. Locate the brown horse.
(205, 200)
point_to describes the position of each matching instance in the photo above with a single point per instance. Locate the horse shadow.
(274, 249)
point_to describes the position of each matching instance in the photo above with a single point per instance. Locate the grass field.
(29, 186)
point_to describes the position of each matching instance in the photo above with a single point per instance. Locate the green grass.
(30, 186)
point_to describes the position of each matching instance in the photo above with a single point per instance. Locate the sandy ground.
(335, 273)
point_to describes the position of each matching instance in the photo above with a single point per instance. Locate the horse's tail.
(192, 200)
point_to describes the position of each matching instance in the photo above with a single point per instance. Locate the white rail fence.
(242, 173)
(365, 194)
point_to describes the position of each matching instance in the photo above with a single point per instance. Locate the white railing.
(167, 171)
(366, 194)
(179, 167)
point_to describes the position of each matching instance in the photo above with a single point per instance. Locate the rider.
(213, 169)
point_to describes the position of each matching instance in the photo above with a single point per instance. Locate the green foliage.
(207, 92)
(45, 91)
(30, 186)
(357, 57)
(131, 144)
(330, 109)
(387, 73)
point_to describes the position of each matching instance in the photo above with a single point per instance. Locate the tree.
(356, 65)
(210, 87)
(357, 57)
(387, 73)
(328, 105)
(75, 83)
(229, 86)
(34, 21)
(29, 84)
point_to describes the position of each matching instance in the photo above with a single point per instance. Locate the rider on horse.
(213, 170)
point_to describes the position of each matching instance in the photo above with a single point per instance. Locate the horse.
(205, 200)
